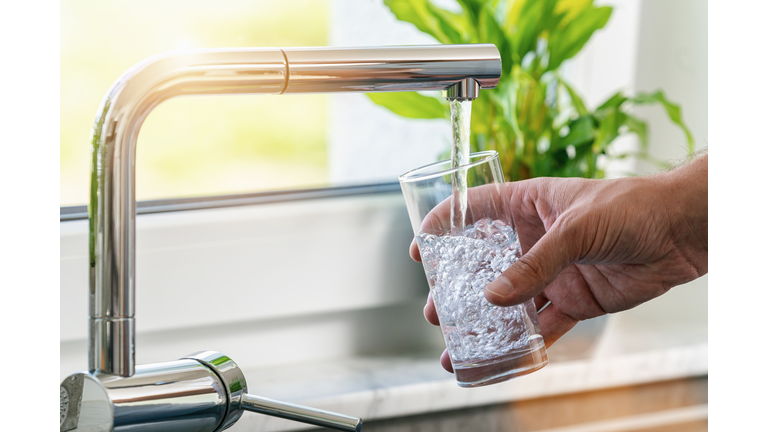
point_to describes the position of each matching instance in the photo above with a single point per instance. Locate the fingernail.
(501, 287)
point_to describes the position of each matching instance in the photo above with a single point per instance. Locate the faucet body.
(459, 70)
(202, 392)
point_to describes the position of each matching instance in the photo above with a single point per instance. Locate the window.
(192, 146)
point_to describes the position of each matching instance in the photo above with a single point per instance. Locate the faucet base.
(181, 395)
(202, 392)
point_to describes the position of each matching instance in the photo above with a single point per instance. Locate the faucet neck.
(461, 69)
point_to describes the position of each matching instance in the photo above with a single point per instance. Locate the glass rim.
(413, 175)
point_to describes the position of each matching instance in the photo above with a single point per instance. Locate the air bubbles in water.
(458, 268)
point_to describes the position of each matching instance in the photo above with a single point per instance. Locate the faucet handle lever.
(300, 413)
(239, 400)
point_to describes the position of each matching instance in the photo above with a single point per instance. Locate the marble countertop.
(625, 349)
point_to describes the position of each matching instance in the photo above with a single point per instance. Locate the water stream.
(461, 113)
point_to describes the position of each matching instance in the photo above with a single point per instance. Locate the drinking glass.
(487, 344)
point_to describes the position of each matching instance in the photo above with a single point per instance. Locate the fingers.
(414, 251)
(529, 275)
(540, 301)
(554, 324)
(445, 361)
(430, 313)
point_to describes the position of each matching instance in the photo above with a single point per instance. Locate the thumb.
(529, 275)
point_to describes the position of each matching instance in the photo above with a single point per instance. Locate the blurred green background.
(202, 145)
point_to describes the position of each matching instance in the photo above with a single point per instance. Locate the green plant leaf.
(570, 9)
(613, 102)
(505, 100)
(475, 5)
(489, 31)
(581, 109)
(472, 8)
(479, 123)
(458, 28)
(568, 40)
(422, 14)
(411, 104)
(639, 127)
(580, 131)
(609, 130)
(524, 25)
(488, 17)
(673, 111)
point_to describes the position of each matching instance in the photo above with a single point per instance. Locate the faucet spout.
(466, 89)
(461, 70)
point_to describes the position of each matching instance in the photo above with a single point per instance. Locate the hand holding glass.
(486, 343)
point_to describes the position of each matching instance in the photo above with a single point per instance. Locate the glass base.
(501, 369)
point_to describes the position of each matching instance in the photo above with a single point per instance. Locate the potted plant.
(534, 119)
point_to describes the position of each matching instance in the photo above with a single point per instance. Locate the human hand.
(592, 247)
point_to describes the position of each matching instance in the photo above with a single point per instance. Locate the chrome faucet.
(207, 391)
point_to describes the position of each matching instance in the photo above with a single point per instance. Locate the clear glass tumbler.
(487, 344)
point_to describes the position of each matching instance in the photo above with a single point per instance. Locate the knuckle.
(531, 266)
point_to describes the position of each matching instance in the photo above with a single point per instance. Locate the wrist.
(685, 192)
